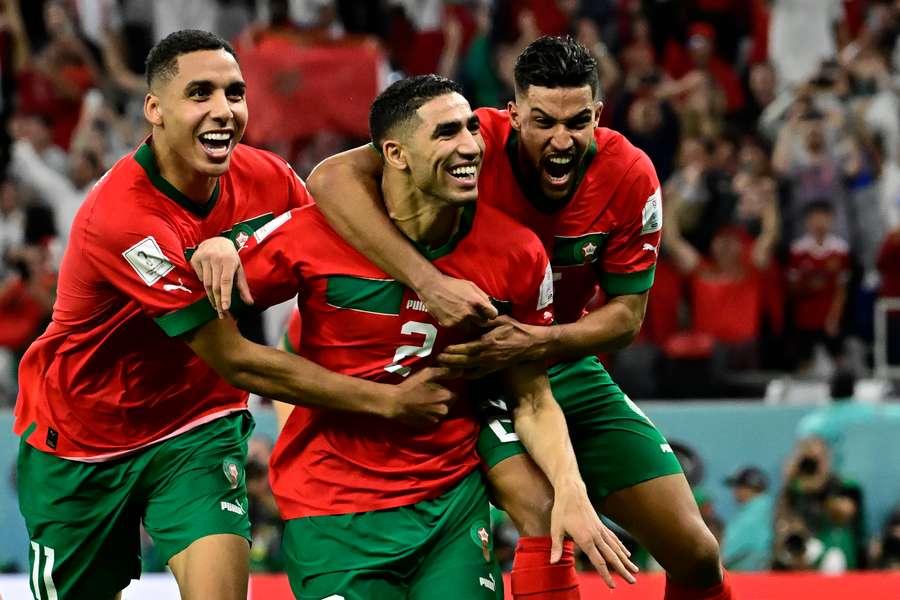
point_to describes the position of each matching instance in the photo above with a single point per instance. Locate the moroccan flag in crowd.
(295, 90)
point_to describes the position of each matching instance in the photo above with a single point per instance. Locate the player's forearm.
(282, 376)
(609, 328)
(541, 425)
(346, 188)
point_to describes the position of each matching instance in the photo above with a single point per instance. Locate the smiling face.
(200, 113)
(556, 128)
(442, 149)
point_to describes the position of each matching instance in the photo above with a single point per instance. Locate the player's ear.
(394, 154)
(514, 118)
(151, 109)
(598, 109)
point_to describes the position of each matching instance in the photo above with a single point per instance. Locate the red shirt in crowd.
(816, 271)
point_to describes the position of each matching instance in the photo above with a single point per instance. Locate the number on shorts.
(49, 557)
(403, 352)
(502, 434)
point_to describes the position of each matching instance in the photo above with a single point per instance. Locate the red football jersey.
(608, 232)
(358, 321)
(816, 272)
(104, 379)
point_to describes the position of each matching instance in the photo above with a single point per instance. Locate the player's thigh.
(616, 444)
(352, 556)
(662, 515)
(519, 487)
(83, 525)
(196, 487)
(215, 566)
(460, 560)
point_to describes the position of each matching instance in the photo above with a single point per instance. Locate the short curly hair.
(400, 101)
(553, 62)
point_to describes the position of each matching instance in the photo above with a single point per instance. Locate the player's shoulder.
(494, 123)
(503, 235)
(247, 161)
(123, 195)
(618, 155)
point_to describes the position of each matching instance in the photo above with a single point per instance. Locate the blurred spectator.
(830, 422)
(729, 276)
(813, 165)
(885, 553)
(888, 263)
(266, 524)
(761, 93)
(747, 544)
(818, 517)
(12, 223)
(817, 276)
(803, 33)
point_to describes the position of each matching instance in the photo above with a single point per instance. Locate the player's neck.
(420, 217)
(196, 186)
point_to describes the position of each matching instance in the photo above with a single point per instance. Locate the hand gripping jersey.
(608, 231)
(105, 379)
(360, 322)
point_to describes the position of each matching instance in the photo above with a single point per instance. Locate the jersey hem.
(184, 429)
(288, 514)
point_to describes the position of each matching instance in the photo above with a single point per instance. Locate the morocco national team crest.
(482, 537)
(232, 472)
(241, 239)
(241, 234)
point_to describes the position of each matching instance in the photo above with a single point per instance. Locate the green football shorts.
(615, 443)
(439, 549)
(83, 519)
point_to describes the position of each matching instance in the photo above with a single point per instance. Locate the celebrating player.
(121, 423)
(594, 201)
(379, 511)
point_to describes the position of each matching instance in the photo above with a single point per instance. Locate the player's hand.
(422, 400)
(456, 301)
(508, 342)
(573, 514)
(218, 266)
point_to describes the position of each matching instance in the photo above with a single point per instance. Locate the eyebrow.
(585, 112)
(446, 128)
(205, 83)
(451, 127)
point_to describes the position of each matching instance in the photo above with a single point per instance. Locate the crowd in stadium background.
(774, 126)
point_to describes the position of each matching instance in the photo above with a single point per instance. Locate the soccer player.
(379, 511)
(119, 421)
(594, 200)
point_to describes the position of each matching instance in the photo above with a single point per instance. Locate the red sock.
(721, 591)
(533, 577)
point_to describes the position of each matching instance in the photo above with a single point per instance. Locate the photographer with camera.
(818, 517)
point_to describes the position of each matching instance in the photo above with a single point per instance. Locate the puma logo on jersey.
(488, 583)
(171, 287)
(666, 448)
(231, 507)
(650, 248)
(416, 305)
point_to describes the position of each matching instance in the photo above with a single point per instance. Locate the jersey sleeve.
(629, 261)
(144, 259)
(273, 259)
(291, 339)
(533, 300)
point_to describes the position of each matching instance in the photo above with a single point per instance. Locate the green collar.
(533, 193)
(465, 225)
(144, 157)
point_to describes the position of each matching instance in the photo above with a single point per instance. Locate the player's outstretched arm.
(346, 188)
(420, 400)
(541, 427)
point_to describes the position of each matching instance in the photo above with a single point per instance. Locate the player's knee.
(520, 489)
(700, 564)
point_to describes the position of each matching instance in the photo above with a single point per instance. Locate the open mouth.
(216, 144)
(558, 169)
(465, 174)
